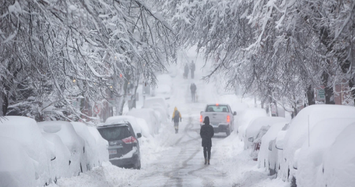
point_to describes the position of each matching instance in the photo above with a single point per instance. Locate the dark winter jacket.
(193, 88)
(186, 68)
(192, 66)
(206, 133)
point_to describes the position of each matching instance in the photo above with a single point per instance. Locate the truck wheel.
(228, 131)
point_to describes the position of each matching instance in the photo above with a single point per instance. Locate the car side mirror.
(234, 113)
(279, 145)
(201, 112)
(271, 143)
(139, 135)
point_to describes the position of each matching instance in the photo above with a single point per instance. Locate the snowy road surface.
(170, 159)
(183, 165)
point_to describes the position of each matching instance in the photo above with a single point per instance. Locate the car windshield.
(114, 133)
(217, 108)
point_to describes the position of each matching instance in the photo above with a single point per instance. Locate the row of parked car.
(38, 153)
(313, 149)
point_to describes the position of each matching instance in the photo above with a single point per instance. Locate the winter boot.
(205, 161)
(208, 162)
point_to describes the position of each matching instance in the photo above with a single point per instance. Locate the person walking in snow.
(206, 134)
(176, 118)
(193, 92)
(186, 71)
(192, 67)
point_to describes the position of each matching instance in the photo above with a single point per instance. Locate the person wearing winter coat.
(206, 134)
(176, 118)
(192, 68)
(193, 92)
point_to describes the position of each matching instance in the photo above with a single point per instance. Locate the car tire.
(137, 165)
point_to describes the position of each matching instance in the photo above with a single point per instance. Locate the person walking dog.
(206, 134)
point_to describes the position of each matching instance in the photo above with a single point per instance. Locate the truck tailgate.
(216, 117)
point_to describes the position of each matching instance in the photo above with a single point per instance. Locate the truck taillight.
(201, 119)
(228, 119)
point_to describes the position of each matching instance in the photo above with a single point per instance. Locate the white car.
(101, 145)
(299, 130)
(16, 168)
(92, 157)
(159, 105)
(245, 117)
(60, 163)
(255, 126)
(310, 163)
(339, 167)
(268, 154)
(74, 143)
(25, 131)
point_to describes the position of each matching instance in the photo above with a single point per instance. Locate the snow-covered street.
(154, 93)
(170, 159)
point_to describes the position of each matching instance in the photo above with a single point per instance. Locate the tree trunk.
(310, 95)
(122, 98)
(4, 104)
(134, 98)
(329, 93)
(351, 86)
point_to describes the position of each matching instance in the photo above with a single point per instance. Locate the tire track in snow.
(176, 176)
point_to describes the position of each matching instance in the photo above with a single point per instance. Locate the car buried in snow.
(299, 131)
(221, 117)
(123, 145)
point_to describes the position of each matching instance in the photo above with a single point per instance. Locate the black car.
(123, 144)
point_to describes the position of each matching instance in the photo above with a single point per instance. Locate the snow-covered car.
(221, 117)
(268, 154)
(60, 163)
(299, 130)
(149, 116)
(131, 119)
(90, 144)
(159, 105)
(339, 167)
(101, 145)
(74, 143)
(258, 127)
(123, 146)
(16, 168)
(256, 140)
(25, 131)
(310, 161)
(245, 117)
(155, 101)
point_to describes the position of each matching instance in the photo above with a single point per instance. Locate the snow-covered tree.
(67, 57)
(275, 49)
